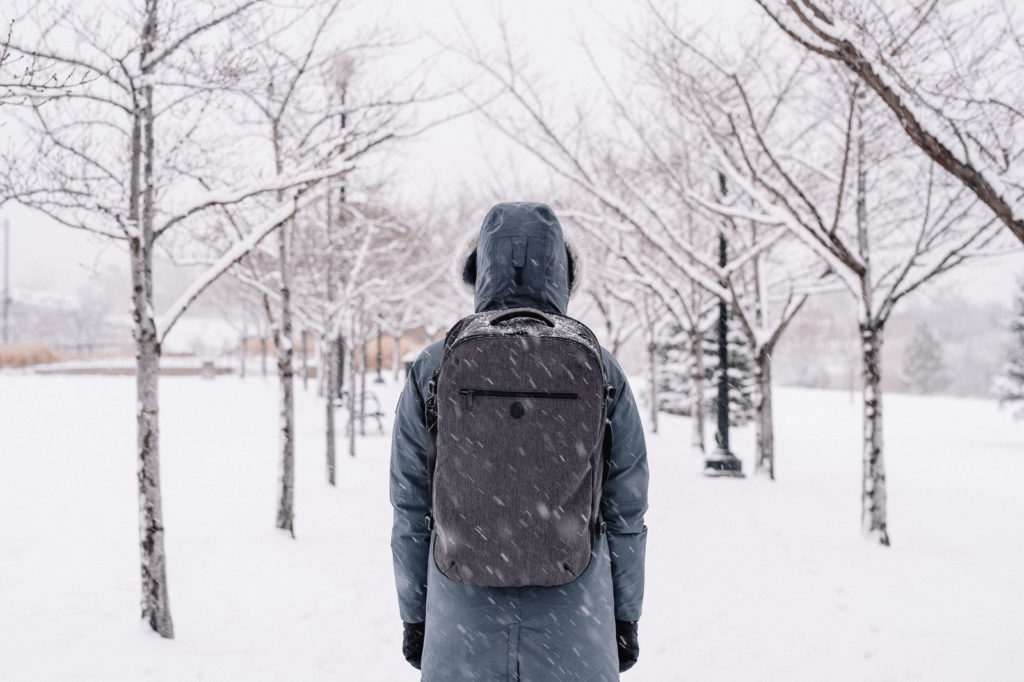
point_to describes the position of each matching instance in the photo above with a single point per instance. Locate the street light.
(723, 462)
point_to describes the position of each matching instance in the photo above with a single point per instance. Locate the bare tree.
(123, 149)
(315, 94)
(652, 332)
(616, 308)
(768, 277)
(287, 76)
(644, 189)
(946, 70)
(880, 217)
(372, 259)
(641, 265)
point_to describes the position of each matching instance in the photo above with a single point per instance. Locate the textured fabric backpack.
(518, 449)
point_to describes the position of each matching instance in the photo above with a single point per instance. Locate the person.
(583, 630)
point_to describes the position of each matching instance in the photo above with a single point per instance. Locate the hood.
(521, 259)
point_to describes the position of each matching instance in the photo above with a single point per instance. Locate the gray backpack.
(518, 449)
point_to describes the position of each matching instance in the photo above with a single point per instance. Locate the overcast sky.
(45, 256)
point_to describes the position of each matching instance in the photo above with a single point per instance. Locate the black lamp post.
(723, 462)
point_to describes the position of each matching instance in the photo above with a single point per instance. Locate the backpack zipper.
(471, 393)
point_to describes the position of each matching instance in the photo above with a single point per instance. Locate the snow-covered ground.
(747, 579)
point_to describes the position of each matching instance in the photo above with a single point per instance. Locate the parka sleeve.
(410, 538)
(624, 501)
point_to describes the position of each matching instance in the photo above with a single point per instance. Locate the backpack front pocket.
(471, 393)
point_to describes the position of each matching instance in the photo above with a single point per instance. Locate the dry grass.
(24, 355)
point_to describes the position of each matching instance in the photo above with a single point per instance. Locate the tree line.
(847, 147)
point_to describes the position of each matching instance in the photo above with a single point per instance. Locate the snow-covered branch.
(946, 124)
(228, 197)
(231, 256)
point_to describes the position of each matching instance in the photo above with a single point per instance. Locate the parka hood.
(521, 259)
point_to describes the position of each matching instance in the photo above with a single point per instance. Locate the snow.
(747, 579)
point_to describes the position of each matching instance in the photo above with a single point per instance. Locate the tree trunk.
(283, 341)
(653, 367)
(305, 360)
(263, 355)
(362, 390)
(243, 355)
(765, 426)
(328, 354)
(352, 385)
(285, 370)
(873, 502)
(156, 608)
(155, 605)
(321, 372)
(697, 379)
(339, 355)
(396, 354)
(331, 376)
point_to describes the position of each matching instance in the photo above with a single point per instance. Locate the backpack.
(518, 449)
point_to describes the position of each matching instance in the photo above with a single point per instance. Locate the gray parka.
(530, 634)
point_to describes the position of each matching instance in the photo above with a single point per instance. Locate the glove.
(628, 643)
(412, 643)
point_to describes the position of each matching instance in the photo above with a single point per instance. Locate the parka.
(526, 634)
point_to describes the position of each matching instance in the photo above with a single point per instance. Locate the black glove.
(412, 643)
(628, 643)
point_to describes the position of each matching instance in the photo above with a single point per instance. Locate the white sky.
(45, 256)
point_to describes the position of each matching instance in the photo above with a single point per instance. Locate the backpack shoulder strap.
(430, 419)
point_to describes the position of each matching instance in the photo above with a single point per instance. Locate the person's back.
(521, 633)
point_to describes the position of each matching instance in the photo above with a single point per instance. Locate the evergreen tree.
(924, 370)
(675, 366)
(1010, 386)
(742, 384)
(675, 371)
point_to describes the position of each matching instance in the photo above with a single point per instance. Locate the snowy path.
(747, 580)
